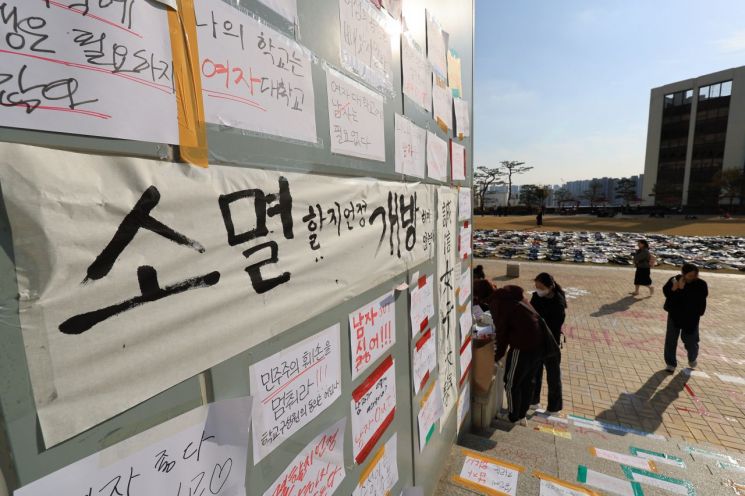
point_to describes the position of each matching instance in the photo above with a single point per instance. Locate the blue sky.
(564, 85)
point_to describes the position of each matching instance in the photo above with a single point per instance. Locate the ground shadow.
(616, 307)
(643, 409)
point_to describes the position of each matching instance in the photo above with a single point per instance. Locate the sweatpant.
(553, 381)
(689, 336)
(519, 379)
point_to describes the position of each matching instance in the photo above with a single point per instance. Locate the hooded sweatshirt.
(516, 326)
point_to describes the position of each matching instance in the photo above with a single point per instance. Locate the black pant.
(689, 336)
(519, 379)
(553, 380)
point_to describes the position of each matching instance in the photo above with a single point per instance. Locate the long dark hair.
(478, 272)
(548, 280)
(644, 243)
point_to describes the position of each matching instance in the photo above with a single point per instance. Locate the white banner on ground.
(490, 475)
(293, 387)
(317, 469)
(447, 339)
(103, 69)
(253, 77)
(118, 259)
(201, 451)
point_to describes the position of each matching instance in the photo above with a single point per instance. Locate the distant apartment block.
(696, 130)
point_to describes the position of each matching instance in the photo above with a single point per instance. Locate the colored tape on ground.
(611, 485)
(658, 457)
(573, 488)
(612, 428)
(675, 486)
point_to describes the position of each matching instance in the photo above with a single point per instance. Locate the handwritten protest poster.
(437, 157)
(484, 473)
(382, 473)
(466, 357)
(465, 286)
(466, 323)
(253, 77)
(447, 339)
(103, 69)
(393, 7)
(464, 204)
(373, 409)
(417, 73)
(462, 118)
(292, 387)
(424, 361)
(317, 469)
(464, 403)
(551, 486)
(285, 8)
(454, 74)
(442, 104)
(241, 238)
(437, 46)
(411, 143)
(430, 411)
(356, 118)
(628, 460)
(422, 304)
(201, 451)
(367, 42)
(458, 161)
(466, 241)
(372, 332)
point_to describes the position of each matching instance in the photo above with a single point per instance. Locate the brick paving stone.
(612, 362)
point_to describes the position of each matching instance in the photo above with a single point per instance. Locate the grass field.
(711, 226)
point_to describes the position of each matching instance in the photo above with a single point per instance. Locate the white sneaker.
(670, 368)
(693, 364)
(536, 406)
(550, 413)
(523, 422)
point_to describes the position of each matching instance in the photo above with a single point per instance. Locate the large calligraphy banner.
(447, 349)
(95, 68)
(136, 274)
(253, 77)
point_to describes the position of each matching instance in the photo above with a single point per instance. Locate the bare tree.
(564, 196)
(512, 168)
(626, 190)
(731, 183)
(532, 195)
(595, 193)
(484, 177)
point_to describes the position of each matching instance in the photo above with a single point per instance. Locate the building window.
(716, 90)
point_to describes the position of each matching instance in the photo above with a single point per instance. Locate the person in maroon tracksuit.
(518, 330)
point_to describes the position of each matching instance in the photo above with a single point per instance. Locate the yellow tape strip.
(477, 487)
(560, 482)
(182, 25)
(487, 459)
(374, 462)
(442, 125)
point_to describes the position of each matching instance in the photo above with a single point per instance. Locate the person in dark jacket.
(482, 288)
(539, 218)
(517, 329)
(685, 303)
(642, 261)
(550, 302)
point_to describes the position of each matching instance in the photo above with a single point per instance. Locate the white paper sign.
(466, 323)
(393, 7)
(373, 409)
(201, 451)
(253, 77)
(465, 286)
(437, 46)
(422, 304)
(285, 8)
(630, 460)
(195, 279)
(430, 411)
(366, 42)
(293, 387)
(381, 475)
(462, 118)
(491, 474)
(447, 334)
(103, 69)
(465, 241)
(550, 488)
(355, 118)
(612, 485)
(466, 357)
(424, 361)
(417, 73)
(442, 104)
(464, 204)
(458, 161)
(372, 332)
(317, 469)
(464, 403)
(437, 157)
(411, 143)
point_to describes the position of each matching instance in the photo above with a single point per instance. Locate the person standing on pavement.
(517, 330)
(550, 302)
(643, 260)
(685, 304)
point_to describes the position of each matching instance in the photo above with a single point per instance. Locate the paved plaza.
(613, 373)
